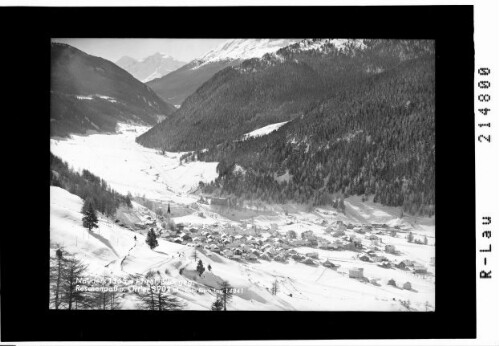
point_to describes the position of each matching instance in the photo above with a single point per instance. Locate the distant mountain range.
(151, 67)
(360, 120)
(89, 93)
(176, 86)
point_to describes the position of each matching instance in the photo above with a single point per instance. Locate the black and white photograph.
(236, 173)
(242, 174)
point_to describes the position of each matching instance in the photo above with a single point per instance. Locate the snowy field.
(112, 250)
(263, 130)
(129, 167)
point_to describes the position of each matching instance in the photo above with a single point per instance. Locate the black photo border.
(25, 242)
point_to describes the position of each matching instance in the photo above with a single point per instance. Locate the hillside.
(360, 122)
(89, 93)
(111, 251)
(176, 86)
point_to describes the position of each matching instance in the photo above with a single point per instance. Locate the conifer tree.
(200, 268)
(217, 304)
(151, 239)
(89, 216)
(410, 237)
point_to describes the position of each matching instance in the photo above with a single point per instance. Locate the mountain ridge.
(176, 86)
(360, 120)
(151, 67)
(89, 93)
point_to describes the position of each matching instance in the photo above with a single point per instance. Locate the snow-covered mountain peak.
(150, 67)
(323, 45)
(157, 56)
(242, 49)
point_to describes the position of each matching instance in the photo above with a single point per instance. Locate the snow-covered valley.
(366, 236)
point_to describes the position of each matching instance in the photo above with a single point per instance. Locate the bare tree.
(155, 297)
(106, 299)
(275, 287)
(56, 268)
(73, 274)
(226, 293)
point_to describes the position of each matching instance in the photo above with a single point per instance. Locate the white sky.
(113, 49)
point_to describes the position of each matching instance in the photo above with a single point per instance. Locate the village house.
(265, 246)
(340, 226)
(349, 246)
(186, 237)
(337, 245)
(297, 257)
(408, 263)
(329, 264)
(356, 273)
(312, 255)
(338, 234)
(308, 235)
(385, 264)
(280, 258)
(285, 246)
(219, 201)
(312, 242)
(365, 258)
(379, 258)
(359, 230)
(401, 265)
(390, 249)
(245, 247)
(214, 248)
(308, 261)
(420, 269)
(227, 253)
(299, 242)
(357, 243)
(270, 251)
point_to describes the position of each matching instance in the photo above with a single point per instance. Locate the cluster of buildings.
(251, 243)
